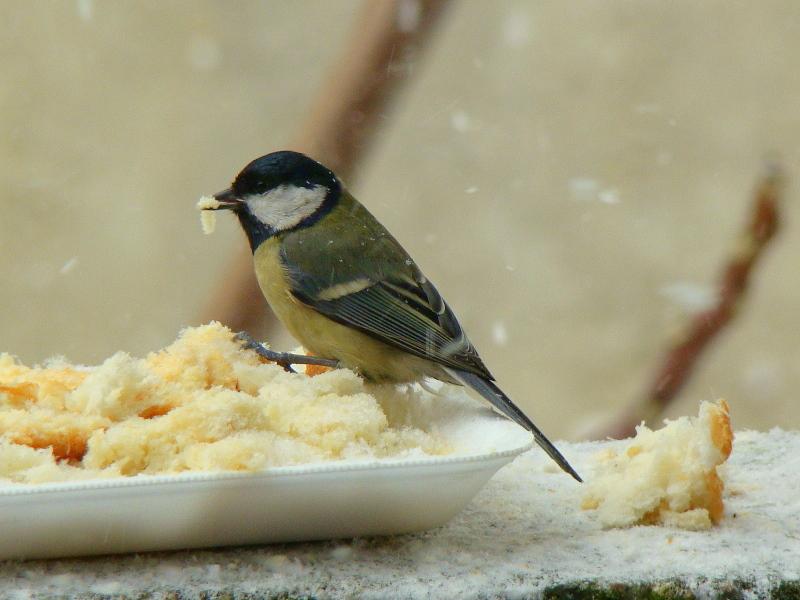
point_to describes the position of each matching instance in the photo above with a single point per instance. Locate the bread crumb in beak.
(208, 219)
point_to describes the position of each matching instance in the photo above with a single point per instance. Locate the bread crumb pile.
(208, 218)
(665, 477)
(201, 404)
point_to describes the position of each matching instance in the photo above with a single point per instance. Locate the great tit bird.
(347, 290)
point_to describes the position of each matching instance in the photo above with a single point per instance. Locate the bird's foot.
(283, 359)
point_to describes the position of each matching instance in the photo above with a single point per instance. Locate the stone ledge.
(523, 536)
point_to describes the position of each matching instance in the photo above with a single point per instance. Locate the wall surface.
(571, 175)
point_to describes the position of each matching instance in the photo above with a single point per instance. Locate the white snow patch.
(517, 29)
(500, 333)
(609, 196)
(203, 53)
(460, 121)
(85, 10)
(110, 587)
(471, 189)
(214, 570)
(689, 296)
(586, 189)
(583, 188)
(764, 378)
(69, 266)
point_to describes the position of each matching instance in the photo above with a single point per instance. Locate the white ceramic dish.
(282, 504)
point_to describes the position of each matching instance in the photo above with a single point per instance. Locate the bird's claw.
(282, 359)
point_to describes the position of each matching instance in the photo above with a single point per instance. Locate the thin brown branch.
(384, 47)
(682, 358)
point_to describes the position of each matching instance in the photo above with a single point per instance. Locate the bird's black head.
(285, 168)
(280, 192)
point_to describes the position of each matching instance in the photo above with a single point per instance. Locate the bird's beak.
(227, 200)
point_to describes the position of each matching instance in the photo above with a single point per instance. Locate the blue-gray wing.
(404, 311)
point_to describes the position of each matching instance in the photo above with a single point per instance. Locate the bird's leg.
(284, 359)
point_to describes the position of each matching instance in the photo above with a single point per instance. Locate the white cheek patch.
(285, 206)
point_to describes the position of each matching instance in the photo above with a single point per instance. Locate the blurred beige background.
(571, 175)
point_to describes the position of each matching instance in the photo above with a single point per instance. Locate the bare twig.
(681, 359)
(385, 44)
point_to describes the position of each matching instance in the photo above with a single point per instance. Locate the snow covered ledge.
(524, 535)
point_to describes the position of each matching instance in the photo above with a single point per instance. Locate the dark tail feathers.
(494, 395)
